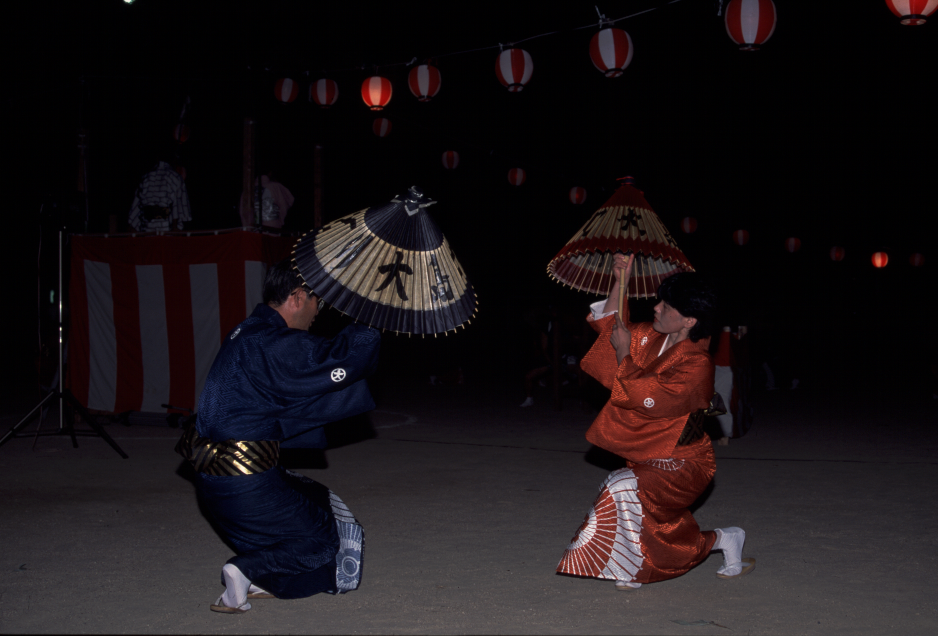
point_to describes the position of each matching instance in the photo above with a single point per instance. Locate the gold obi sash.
(227, 458)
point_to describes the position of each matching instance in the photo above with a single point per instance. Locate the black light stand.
(64, 397)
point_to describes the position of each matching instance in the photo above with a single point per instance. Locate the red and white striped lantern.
(324, 92)
(837, 253)
(916, 260)
(689, 225)
(577, 195)
(382, 127)
(793, 244)
(513, 69)
(879, 259)
(450, 159)
(611, 51)
(181, 133)
(376, 92)
(912, 12)
(424, 82)
(750, 23)
(516, 176)
(286, 90)
(741, 237)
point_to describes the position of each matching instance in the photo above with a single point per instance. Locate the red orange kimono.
(639, 528)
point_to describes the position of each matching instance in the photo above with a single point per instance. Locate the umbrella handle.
(623, 299)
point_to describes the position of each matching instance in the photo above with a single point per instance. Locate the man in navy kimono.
(275, 385)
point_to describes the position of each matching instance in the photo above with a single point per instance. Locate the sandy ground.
(468, 503)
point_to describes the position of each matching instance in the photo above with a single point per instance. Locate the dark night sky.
(824, 134)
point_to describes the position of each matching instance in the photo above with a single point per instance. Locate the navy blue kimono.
(293, 537)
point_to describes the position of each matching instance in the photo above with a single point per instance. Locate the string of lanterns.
(749, 24)
(793, 244)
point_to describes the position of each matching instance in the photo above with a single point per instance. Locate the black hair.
(281, 281)
(693, 297)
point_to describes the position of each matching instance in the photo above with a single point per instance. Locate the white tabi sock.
(627, 585)
(236, 588)
(256, 590)
(730, 541)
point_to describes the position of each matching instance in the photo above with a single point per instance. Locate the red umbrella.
(625, 224)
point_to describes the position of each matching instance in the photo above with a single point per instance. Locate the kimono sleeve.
(675, 392)
(297, 364)
(600, 362)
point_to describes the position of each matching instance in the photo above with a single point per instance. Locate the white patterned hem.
(351, 546)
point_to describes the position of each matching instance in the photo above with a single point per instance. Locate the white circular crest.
(649, 402)
(338, 375)
(644, 340)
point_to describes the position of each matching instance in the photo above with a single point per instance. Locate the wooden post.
(317, 186)
(248, 168)
(558, 363)
(83, 175)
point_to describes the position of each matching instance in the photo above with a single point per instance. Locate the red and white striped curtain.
(148, 313)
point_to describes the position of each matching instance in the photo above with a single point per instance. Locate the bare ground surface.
(468, 503)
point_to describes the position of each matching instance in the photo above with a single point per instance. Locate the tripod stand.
(64, 397)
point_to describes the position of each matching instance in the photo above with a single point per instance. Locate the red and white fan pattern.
(608, 544)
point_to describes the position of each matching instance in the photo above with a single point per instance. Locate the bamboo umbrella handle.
(623, 297)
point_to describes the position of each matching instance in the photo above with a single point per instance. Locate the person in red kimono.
(639, 529)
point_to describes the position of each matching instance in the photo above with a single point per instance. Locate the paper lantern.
(381, 127)
(792, 244)
(880, 259)
(837, 253)
(916, 260)
(424, 82)
(741, 237)
(181, 133)
(912, 12)
(689, 224)
(513, 69)
(450, 159)
(611, 51)
(577, 195)
(286, 90)
(376, 92)
(750, 23)
(516, 176)
(324, 92)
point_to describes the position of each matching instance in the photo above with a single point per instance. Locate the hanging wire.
(602, 20)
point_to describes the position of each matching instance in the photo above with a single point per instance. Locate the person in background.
(161, 202)
(274, 202)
